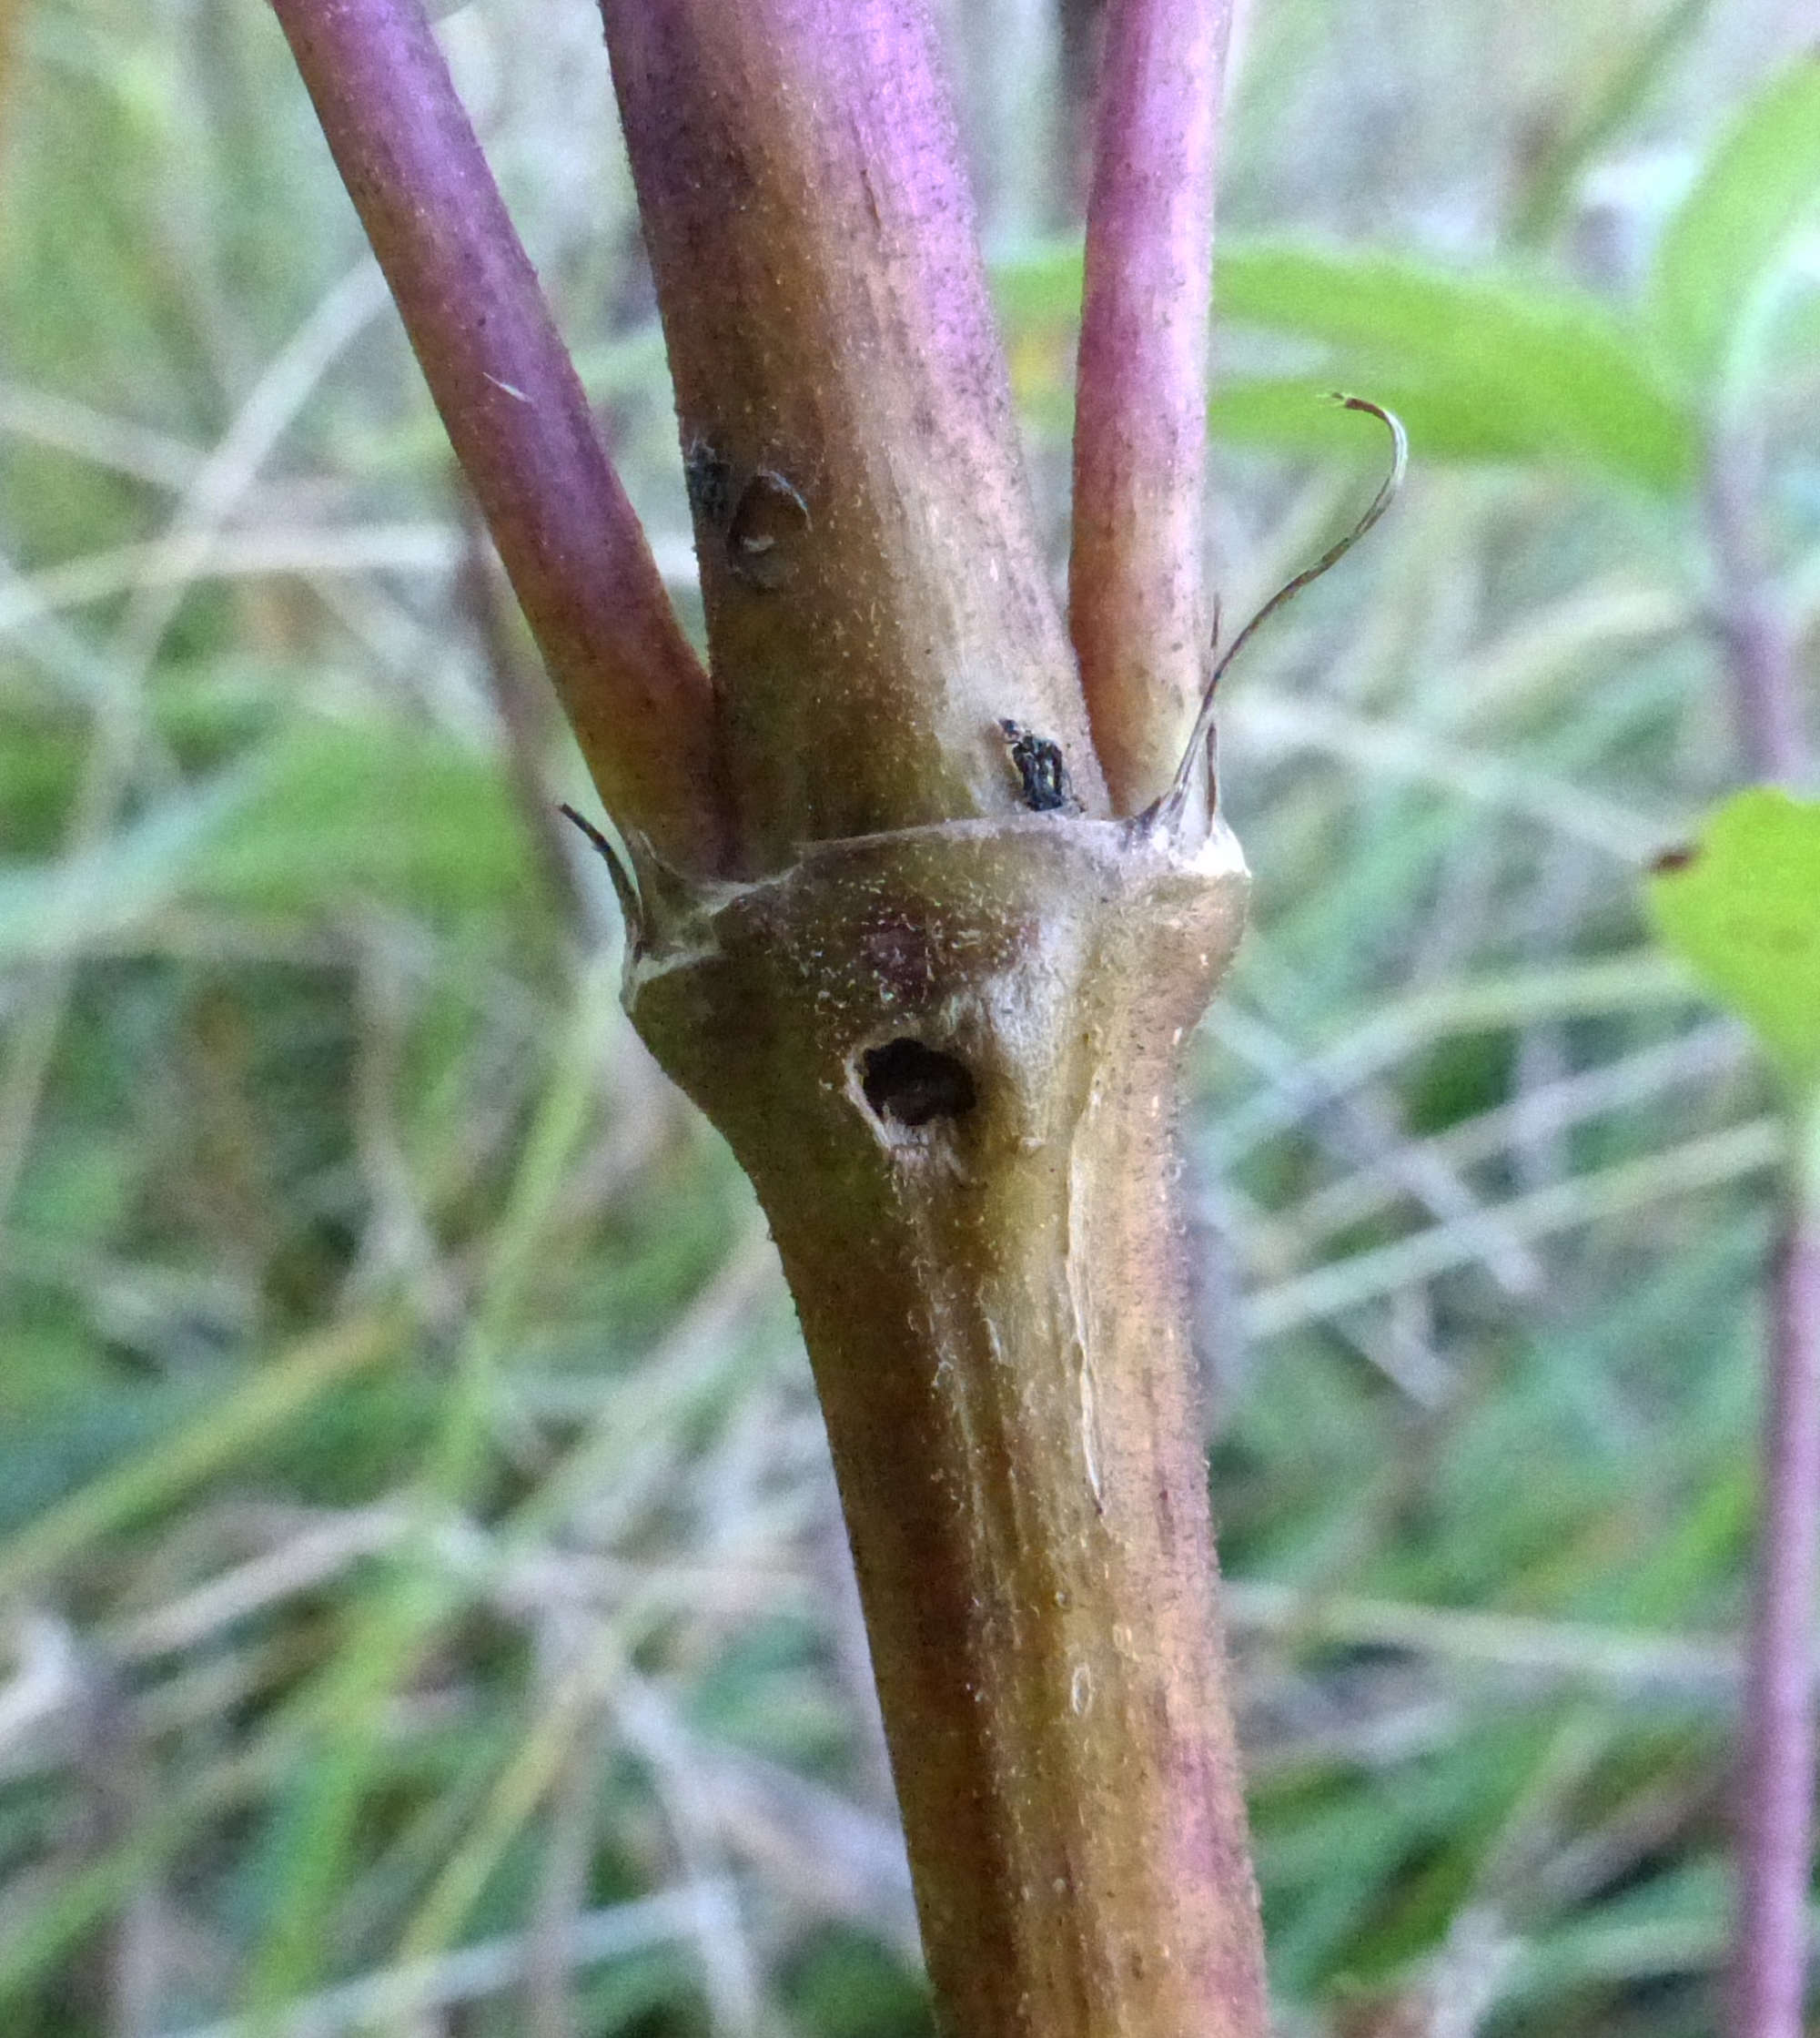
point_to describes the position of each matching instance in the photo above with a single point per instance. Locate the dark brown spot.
(901, 955)
(1671, 860)
(710, 479)
(1042, 772)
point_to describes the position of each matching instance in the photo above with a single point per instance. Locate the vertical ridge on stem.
(1137, 609)
(518, 418)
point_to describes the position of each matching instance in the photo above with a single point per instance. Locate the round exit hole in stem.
(909, 1083)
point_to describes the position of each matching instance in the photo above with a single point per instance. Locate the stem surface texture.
(948, 1059)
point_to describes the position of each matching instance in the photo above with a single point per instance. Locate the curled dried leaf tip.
(1167, 810)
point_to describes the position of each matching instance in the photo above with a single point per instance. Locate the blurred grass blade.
(1479, 368)
(64, 1910)
(1737, 224)
(1555, 180)
(408, 1995)
(1743, 906)
(57, 907)
(269, 1397)
(382, 807)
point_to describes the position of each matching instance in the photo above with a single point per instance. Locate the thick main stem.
(946, 1058)
(939, 1021)
(878, 605)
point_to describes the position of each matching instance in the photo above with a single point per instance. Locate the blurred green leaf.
(1505, 369)
(400, 812)
(1294, 412)
(49, 1370)
(844, 1984)
(1737, 223)
(329, 809)
(1479, 368)
(1669, 1922)
(1743, 906)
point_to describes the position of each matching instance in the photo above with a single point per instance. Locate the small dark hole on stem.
(908, 1083)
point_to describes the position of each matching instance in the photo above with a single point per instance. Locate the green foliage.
(1484, 367)
(1742, 904)
(1479, 368)
(1510, 368)
(1733, 232)
(385, 811)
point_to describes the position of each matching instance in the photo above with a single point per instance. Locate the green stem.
(946, 1058)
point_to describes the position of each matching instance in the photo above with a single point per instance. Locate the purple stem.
(1777, 1823)
(1759, 642)
(517, 416)
(1136, 608)
(878, 598)
(1776, 1836)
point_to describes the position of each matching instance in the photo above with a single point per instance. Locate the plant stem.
(941, 1033)
(578, 560)
(1136, 608)
(946, 1056)
(877, 599)
(1777, 1823)
(940, 1024)
(1775, 1817)
(1766, 706)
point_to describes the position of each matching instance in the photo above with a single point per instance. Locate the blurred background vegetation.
(423, 1609)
